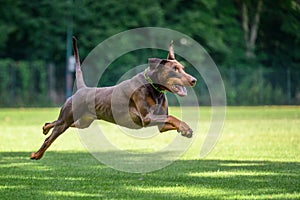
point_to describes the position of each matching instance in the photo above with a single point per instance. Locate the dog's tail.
(79, 78)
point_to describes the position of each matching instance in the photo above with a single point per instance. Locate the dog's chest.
(157, 105)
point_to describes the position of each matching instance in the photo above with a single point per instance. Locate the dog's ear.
(153, 62)
(156, 62)
(171, 55)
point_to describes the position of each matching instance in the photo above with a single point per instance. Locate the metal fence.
(34, 84)
(262, 86)
(28, 84)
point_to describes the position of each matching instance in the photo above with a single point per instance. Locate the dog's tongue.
(181, 91)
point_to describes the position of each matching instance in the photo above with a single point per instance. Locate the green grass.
(257, 157)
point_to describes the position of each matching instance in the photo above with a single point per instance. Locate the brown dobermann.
(134, 103)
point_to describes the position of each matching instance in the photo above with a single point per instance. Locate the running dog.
(134, 103)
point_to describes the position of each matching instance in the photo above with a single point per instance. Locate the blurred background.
(255, 44)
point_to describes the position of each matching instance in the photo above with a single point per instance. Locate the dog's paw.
(32, 156)
(185, 130)
(46, 128)
(188, 133)
(35, 156)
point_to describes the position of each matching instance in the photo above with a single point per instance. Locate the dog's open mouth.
(179, 90)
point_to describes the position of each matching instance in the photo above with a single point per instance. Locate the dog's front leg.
(152, 114)
(172, 123)
(168, 122)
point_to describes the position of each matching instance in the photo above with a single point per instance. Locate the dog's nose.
(193, 81)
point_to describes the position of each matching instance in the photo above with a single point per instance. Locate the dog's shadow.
(78, 175)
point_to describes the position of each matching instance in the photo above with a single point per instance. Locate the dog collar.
(152, 84)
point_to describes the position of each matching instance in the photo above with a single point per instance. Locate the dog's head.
(169, 74)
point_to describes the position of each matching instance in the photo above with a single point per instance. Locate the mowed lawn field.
(257, 157)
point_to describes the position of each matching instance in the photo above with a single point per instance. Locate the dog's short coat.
(135, 103)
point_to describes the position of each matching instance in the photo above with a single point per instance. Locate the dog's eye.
(175, 68)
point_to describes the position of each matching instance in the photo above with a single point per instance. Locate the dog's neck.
(149, 80)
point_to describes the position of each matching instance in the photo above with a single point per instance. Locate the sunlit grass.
(256, 157)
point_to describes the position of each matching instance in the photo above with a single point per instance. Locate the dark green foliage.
(36, 30)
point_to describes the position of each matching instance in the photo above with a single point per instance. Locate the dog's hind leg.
(47, 127)
(57, 131)
(84, 122)
(63, 122)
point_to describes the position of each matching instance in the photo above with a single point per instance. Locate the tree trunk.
(250, 34)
